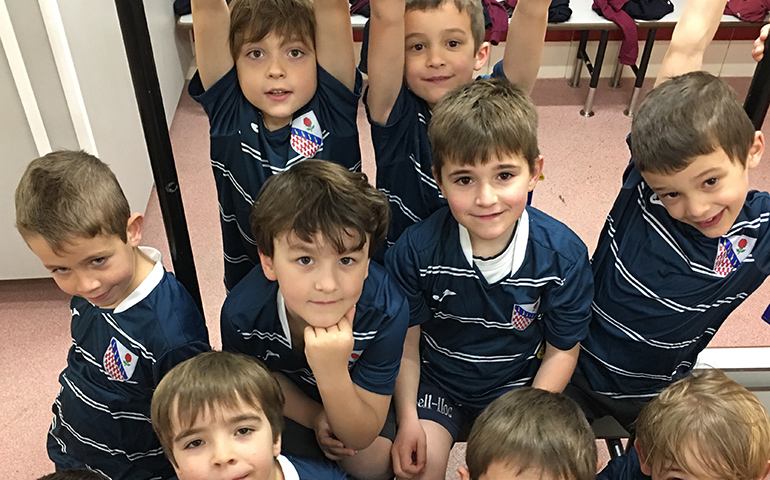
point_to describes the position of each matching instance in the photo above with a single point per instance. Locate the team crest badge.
(306, 135)
(354, 355)
(731, 252)
(119, 362)
(524, 314)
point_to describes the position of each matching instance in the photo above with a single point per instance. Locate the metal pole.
(141, 63)
(758, 98)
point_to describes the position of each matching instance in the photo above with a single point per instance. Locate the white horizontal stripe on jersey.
(626, 373)
(361, 336)
(424, 177)
(638, 337)
(448, 270)
(100, 446)
(233, 219)
(100, 406)
(142, 349)
(477, 321)
(404, 209)
(226, 173)
(466, 357)
(273, 337)
(240, 259)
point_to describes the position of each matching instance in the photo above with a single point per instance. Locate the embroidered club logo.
(731, 252)
(523, 315)
(354, 355)
(305, 135)
(119, 362)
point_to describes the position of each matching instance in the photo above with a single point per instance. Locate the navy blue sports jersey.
(624, 467)
(254, 322)
(404, 160)
(663, 289)
(296, 468)
(102, 413)
(244, 153)
(479, 340)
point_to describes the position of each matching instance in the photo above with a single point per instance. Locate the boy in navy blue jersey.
(220, 415)
(685, 242)
(329, 323)
(444, 45)
(499, 292)
(131, 320)
(278, 81)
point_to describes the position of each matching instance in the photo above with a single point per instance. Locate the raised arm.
(525, 41)
(211, 25)
(334, 40)
(386, 57)
(692, 34)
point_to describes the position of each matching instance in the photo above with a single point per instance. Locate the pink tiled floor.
(584, 161)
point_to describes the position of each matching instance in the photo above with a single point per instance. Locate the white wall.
(65, 83)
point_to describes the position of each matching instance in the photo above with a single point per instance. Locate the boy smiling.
(686, 240)
(443, 47)
(131, 320)
(499, 292)
(328, 322)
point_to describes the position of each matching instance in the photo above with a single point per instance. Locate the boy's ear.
(134, 229)
(267, 266)
(481, 56)
(767, 472)
(277, 447)
(464, 473)
(536, 172)
(756, 150)
(643, 465)
(436, 177)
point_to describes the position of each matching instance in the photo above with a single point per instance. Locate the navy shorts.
(435, 405)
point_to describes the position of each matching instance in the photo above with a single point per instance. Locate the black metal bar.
(645, 60)
(599, 58)
(758, 98)
(141, 63)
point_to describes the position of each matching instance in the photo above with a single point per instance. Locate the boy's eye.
(255, 54)
(417, 47)
(711, 182)
(244, 431)
(347, 261)
(60, 270)
(194, 443)
(98, 261)
(463, 180)
(305, 260)
(295, 53)
(505, 175)
(453, 44)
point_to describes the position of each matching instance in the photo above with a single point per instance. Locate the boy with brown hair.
(443, 47)
(131, 320)
(220, 415)
(278, 81)
(529, 434)
(499, 292)
(328, 322)
(686, 240)
(705, 426)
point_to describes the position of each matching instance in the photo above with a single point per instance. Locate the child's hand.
(409, 451)
(328, 349)
(759, 44)
(333, 449)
